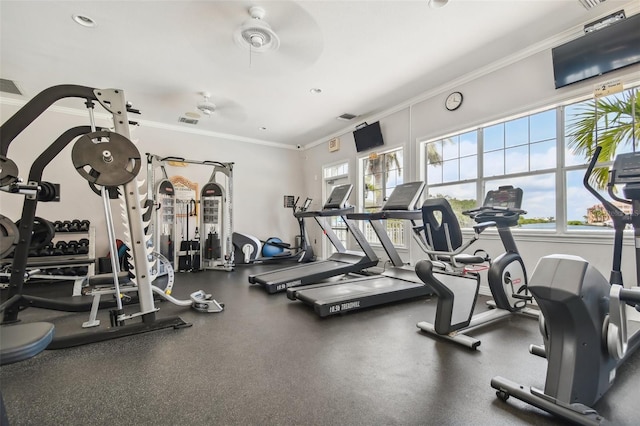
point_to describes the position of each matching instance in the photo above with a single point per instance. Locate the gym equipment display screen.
(598, 52)
(368, 137)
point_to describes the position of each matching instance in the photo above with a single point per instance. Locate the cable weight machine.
(163, 221)
(214, 249)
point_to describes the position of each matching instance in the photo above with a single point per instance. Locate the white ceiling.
(365, 56)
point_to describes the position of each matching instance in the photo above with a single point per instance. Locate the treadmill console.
(404, 196)
(338, 197)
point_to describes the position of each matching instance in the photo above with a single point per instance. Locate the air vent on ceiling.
(347, 117)
(588, 4)
(187, 120)
(9, 86)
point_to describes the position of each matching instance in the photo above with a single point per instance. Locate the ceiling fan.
(285, 33)
(223, 108)
(206, 106)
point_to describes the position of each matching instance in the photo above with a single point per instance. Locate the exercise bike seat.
(455, 300)
(22, 341)
(444, 236)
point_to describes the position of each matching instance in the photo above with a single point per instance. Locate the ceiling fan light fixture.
(437, 4)
(256, 40)
(255, 33)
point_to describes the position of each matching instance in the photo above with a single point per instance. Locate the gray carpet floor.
(267, 360)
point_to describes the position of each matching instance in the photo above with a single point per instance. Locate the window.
(381, 174)
(545, 153)
(336, 170)
(610, 121)
(335, 175)
(518, 152)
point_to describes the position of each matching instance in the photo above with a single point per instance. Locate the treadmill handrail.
(326, 213)
(398, 214)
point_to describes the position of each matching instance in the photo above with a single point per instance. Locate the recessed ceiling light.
(84, 20)
(316, 90)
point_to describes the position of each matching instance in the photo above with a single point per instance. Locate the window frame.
(560, 170)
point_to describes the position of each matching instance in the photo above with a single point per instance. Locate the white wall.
(262, 174)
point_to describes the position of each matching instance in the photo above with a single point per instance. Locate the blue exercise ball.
(270, 249)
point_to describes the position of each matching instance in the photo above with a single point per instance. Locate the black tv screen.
(598, 52)
(368, 137)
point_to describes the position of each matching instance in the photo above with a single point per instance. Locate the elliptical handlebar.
(609, 206)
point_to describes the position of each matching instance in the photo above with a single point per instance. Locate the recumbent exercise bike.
(455, 276)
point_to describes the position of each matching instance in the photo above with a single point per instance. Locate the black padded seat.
(22, 341)
(444, 233)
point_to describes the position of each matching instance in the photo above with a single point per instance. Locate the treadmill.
(339, 263)
(399, 282)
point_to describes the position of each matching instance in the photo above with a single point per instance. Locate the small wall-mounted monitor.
(368, 137)
(598, 52)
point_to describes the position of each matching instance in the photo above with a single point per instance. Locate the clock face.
(453, 101)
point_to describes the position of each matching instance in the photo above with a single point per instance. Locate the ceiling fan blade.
(230, 110)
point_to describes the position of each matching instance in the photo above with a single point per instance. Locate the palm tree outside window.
(382, 173)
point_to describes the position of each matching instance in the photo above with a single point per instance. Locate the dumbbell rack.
(44, 263)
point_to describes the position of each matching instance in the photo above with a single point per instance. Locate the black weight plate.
(122, 165)
(41, 234)
(8, 171)
(9, 236)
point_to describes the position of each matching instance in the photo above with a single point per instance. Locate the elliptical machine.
(455, 278)
(586, 332)
(249, 249)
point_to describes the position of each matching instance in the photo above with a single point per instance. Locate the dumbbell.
(46, 250)
(83, 246)
(81, 270)
(72, 247)
(74, 226)
(59, 248)
(84, 225)
(62, 226)
(69, 272)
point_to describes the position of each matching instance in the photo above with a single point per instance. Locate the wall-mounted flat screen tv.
(598, 52)
(368, 137)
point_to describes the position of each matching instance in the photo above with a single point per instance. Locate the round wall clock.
(453, 101)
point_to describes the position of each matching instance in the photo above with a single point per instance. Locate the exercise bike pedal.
(522, 297)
